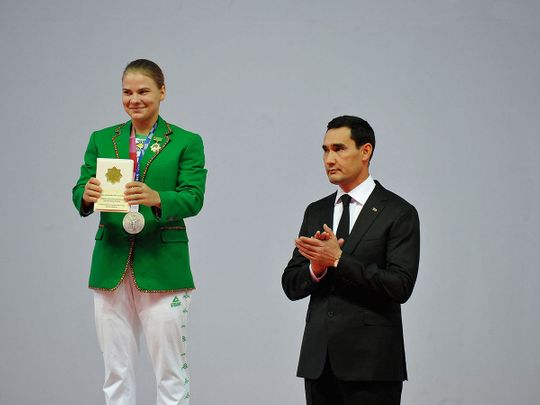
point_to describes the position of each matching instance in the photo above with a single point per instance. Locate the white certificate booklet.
(113, 175)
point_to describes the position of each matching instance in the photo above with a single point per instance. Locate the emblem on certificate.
(133, 222)
(113, 175)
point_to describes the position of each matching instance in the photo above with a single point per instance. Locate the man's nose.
(329, 159)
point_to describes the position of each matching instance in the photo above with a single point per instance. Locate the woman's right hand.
(92, 191)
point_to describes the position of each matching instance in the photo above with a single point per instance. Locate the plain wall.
(452, 90)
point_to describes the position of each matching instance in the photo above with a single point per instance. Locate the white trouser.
(120, 315)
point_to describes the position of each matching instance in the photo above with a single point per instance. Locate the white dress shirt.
(359, 196)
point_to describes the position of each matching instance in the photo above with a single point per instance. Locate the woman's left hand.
(139, 193)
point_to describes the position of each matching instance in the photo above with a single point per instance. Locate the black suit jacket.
(354, 312)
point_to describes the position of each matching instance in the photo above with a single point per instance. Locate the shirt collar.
(360, 193)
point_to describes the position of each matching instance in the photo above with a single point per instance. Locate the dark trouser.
(327, 390)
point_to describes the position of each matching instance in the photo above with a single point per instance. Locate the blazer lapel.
(370, 211)
(120, 140)
(159, 141)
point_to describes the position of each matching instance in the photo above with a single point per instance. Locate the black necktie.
(344, 222)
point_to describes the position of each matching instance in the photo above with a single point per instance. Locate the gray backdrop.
(452, 90)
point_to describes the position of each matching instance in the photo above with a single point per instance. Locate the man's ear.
(366, 150)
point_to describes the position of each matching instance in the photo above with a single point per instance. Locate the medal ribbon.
(137, 159)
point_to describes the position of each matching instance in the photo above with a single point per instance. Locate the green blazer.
(159, 254)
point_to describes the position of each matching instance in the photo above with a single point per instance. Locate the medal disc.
(133, 222)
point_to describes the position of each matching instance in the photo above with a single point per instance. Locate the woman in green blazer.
(143, 280)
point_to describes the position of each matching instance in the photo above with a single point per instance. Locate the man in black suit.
(352, 351)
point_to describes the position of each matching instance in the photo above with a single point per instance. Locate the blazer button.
(330, 314)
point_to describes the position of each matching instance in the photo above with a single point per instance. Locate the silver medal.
(133, 222)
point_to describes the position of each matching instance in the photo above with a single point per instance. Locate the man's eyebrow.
(334, 145)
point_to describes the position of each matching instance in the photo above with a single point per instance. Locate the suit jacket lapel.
(370, 211)
(327, 211)
(326, 216)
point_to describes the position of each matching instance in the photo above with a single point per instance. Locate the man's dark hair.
(361, 131)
